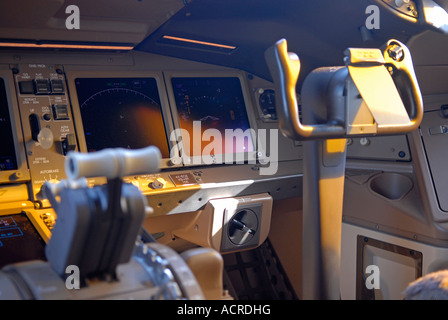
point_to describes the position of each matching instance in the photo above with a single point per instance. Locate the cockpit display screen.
(19, 241)
(8, 159)
(121, 113)
(213, 112)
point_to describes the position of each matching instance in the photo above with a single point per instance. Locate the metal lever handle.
(398, 56)
(112, 163)
(285, 68)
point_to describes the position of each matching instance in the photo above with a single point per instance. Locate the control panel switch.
(34, 126)
(57, 86)
(68, 143)
(46, 117)
(158, 183)
(42, 86)
(26, 87)
(60, 112)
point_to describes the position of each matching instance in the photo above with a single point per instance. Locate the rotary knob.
(158, 183)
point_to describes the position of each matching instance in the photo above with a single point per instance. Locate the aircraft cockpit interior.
(223, 150)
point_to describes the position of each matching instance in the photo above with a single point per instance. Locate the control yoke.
(369, 69)
(375, 93)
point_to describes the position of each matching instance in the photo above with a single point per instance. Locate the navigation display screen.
(121, 113)
(8, 159)
(19, 241)
(213, 112)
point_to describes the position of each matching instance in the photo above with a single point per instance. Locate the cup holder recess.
(392, 186)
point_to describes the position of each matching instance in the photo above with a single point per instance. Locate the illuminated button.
(57, 86)
(159, 183)
(42, 86)
(60, 112)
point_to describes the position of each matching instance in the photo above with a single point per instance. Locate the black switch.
(42, 86)
(46, 117)
(68, 143)
(57, 86)
(34, 126)
(26, 87)
(60, 112)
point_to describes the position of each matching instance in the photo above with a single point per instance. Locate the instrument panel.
(215, 127)
(59, 105)
(46, 120)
